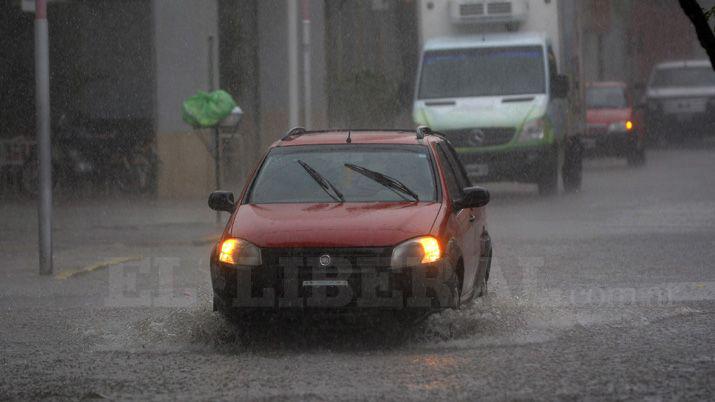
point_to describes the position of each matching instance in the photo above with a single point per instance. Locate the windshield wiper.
(326, 185)
(390, 182)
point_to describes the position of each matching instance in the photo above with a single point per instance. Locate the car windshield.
(606, 98)
(483, 72)
(684, 77)
(283, 179)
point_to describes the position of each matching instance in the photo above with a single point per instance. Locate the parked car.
(353, 220)
(612, 128)
(680, 99)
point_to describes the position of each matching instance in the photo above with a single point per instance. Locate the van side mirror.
(474, 197)
(560, 87)
(222, 201)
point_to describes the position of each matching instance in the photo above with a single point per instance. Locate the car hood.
(680, 92)
(333, 225)
(607, 116)
(461, 113)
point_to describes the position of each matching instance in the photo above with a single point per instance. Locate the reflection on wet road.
(608, 293)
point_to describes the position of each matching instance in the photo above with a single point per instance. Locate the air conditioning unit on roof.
(488, 11)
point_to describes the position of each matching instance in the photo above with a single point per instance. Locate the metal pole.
(307, 72)
(216, 132)
(44, 143)
(293, 84)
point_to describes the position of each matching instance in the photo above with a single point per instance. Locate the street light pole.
(293, 77)
(44, 143)
(307, 82)
(216, 132)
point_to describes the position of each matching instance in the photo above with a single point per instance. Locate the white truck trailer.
(500, 79)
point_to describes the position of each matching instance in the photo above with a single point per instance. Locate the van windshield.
(283, 178)
(458, 73)
(684, 77)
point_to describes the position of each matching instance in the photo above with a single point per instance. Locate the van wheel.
(573, 166)
(549, 179)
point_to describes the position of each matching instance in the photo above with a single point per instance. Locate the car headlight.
(419, 251)
(239, 252)
(533, 130)
(621, 126)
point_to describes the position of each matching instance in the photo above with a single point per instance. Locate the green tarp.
(205, 109)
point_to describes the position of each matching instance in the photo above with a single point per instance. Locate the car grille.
(597, 129)
(283, 267)
(307, 260)
(469, 10)
(484, 137)
(499, 8)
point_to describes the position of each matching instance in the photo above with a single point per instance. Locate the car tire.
(573, 166)
(549, 178)
(223, 308)
(636, 157)
(482, 285)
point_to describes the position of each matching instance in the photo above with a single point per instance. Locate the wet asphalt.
(605, 294)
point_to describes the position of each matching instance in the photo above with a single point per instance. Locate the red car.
(612, 128)
(353, 220)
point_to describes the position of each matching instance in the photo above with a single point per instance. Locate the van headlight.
(419, 251)
(239, 252)
(533, 130)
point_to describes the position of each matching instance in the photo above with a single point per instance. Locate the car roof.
(487, 40)
(683, 63)
(335, 137)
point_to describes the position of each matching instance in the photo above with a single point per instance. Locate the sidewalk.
(94, 235)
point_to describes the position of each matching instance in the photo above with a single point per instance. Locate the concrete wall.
(273, 68)
(181, 32)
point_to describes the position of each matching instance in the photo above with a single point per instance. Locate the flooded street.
(604, 294)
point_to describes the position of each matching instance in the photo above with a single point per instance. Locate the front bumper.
(618, 143)
(353, 282)
(523, 164)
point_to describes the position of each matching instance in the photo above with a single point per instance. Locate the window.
(684, 77)
(451, 177)
(282, 179)
(483, 72)
(606, 98)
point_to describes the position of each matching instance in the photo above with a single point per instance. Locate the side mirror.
(560, 87)
(474, 197)
(222, 201)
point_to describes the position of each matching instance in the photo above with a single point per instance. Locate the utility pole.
(44, 142)
(293, 78)
(216, 132)
(307, 81)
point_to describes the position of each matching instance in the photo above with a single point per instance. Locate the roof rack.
(295, 131)
(421, 131)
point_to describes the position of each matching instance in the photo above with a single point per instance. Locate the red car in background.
(612, 125)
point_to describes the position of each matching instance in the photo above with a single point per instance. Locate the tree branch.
(705, 33)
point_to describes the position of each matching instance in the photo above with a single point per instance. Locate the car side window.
(455, 191)
(460, 171)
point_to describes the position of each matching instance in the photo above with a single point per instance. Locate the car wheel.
(484, 287)
(223, 308)
(636, 157)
